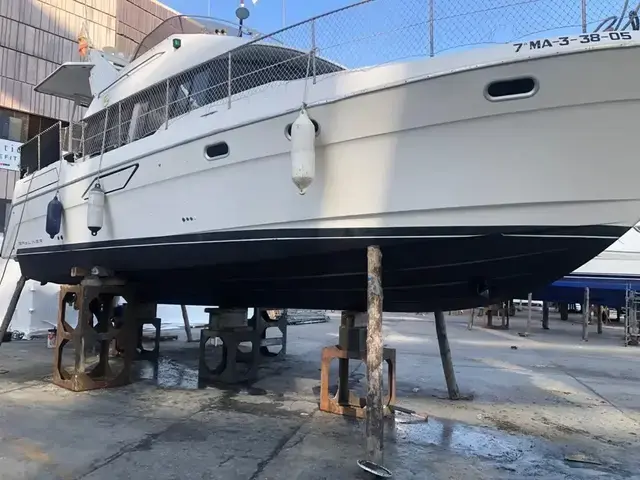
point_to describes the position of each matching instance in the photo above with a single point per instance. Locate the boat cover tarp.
(603, 289)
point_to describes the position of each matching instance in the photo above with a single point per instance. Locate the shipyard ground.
(532, 407)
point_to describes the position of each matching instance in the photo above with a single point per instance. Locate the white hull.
(414, 144)
(434, 152)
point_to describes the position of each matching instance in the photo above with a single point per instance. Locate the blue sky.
(401, 26)
(266, 15)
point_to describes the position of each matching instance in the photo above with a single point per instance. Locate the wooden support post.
(374, 412)
(586, 313)
(13, 303)
(599, 313)
(528, 327)
(545, 315)
(564, 311)
(187, 325)
(445, 355)
(506, 315)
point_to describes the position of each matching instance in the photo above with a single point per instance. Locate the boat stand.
(234, 364)
(94, 300)
(352, 345)
(142, 314)
(501, 309)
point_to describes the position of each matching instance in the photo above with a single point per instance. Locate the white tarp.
(37, 308)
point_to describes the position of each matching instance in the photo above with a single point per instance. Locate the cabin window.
(201, 88)
(179, 99)
(145, 112)
(217, 151)
(511, 89)
(132, 119)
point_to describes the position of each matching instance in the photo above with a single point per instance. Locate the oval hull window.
(511, 89)
(216, 151)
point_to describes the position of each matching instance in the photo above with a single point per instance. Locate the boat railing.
(42, 150)
(72, 139)
(371, 32)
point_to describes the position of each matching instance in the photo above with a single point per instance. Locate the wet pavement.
(553, 408)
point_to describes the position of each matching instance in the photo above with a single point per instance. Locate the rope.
(15, 240)
(306, 80)
(104, 140)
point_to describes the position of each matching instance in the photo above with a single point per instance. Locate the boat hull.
(423, 268)
(456, 188)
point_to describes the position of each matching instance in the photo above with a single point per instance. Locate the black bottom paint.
(326, 269)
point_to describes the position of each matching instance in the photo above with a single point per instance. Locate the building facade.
(36, 36)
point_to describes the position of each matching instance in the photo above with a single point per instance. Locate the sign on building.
(9, 154)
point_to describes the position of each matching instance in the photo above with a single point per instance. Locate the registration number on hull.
(564, 41)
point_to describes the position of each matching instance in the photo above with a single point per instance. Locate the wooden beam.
(187, 325)
(445, 355)
(374, 411)
(13, 303)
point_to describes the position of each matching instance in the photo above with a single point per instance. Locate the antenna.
(284, 13)
(242, 13)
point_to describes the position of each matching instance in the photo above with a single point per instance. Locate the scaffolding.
(632, 317)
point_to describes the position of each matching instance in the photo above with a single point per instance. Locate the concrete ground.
(529, 409)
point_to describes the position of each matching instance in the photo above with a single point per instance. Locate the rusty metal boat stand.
(232, 328)
(97, 330)
(94, 300)
(352, 341)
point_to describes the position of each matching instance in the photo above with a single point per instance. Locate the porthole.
(217, 151)
(287, 130)
(511, 89)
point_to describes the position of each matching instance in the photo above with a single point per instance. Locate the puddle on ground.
(167, 373)
(514, 454)
(461, 438)
(520, 455)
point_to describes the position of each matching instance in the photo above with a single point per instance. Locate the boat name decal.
(564, 41)
(24, 243)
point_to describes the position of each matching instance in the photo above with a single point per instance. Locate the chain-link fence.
(369, 33)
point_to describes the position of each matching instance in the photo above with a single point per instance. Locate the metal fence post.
(584, 16)
(60, 139)
(313, 49)
(586, 315)
(38, 168)
(166, 105)
(104, 132)
(229, 81)
(73, 115)
(82, 127)
(431, 34)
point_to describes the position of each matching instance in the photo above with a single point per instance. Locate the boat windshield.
(185, 24)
